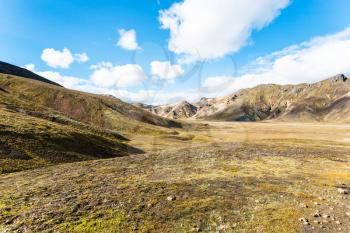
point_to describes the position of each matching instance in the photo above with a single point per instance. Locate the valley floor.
(219, 177)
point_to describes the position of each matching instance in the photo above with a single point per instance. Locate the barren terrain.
(220, 177)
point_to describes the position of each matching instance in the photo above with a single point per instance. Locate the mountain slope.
(6, 68)
(43, 124)
(182, 110)
(327, 100)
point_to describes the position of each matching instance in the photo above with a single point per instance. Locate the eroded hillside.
(43, 124)
(328, 100)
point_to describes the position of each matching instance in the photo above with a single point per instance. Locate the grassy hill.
(43, 124)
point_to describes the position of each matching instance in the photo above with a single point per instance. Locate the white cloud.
(57, 59)
(81, 57)
(157, 97)
(165, 71)
(106, 75)
(308, 62)
(154, 97)
(66, 81)
(30, 67)
(127, 39)
(208, 29)
(61, 59)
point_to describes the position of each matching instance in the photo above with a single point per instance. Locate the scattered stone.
(316, 203)
(325, 216)
(304, 220)
(343, 191)
(317, 214)
(337, 222)
(317, 222)
(171, 198)
(303, 205)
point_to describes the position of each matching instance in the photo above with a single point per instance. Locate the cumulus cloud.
(308, 62)
(61, 59)
(30, 67)
(152, 96)
(209, 29)
(165, 71)
(157, 97)
(66, 81)
(311, 61)
(55, 58)
(106, 75)
(81, 57)
(127, 39)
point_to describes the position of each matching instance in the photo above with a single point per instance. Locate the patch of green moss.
(110, 223)
(274, 218)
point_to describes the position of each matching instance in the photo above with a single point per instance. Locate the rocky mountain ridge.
(327, 100)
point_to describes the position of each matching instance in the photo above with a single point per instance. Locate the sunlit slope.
(327, 100)
(43, 124)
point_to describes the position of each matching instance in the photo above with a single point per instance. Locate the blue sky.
(236, 50)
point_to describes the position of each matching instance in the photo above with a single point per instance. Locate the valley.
(226, 177)
(78, 162)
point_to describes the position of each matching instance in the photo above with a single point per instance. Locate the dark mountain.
(6, 68)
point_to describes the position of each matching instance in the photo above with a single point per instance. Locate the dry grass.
(234, 183)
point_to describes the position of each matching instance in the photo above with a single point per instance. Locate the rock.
(171, 198)
(343, 191)
(317, 214)
(347, 214)
(325, 216)
(340, 77)
(317, 222)
(303, 205)
(316, 203)
(337, 222)
(304, 220)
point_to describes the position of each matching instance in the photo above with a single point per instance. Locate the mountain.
(181, 110)
(43, 124)
(6, 68)
(328, 100)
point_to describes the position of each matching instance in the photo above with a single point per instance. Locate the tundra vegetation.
(76, 162)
